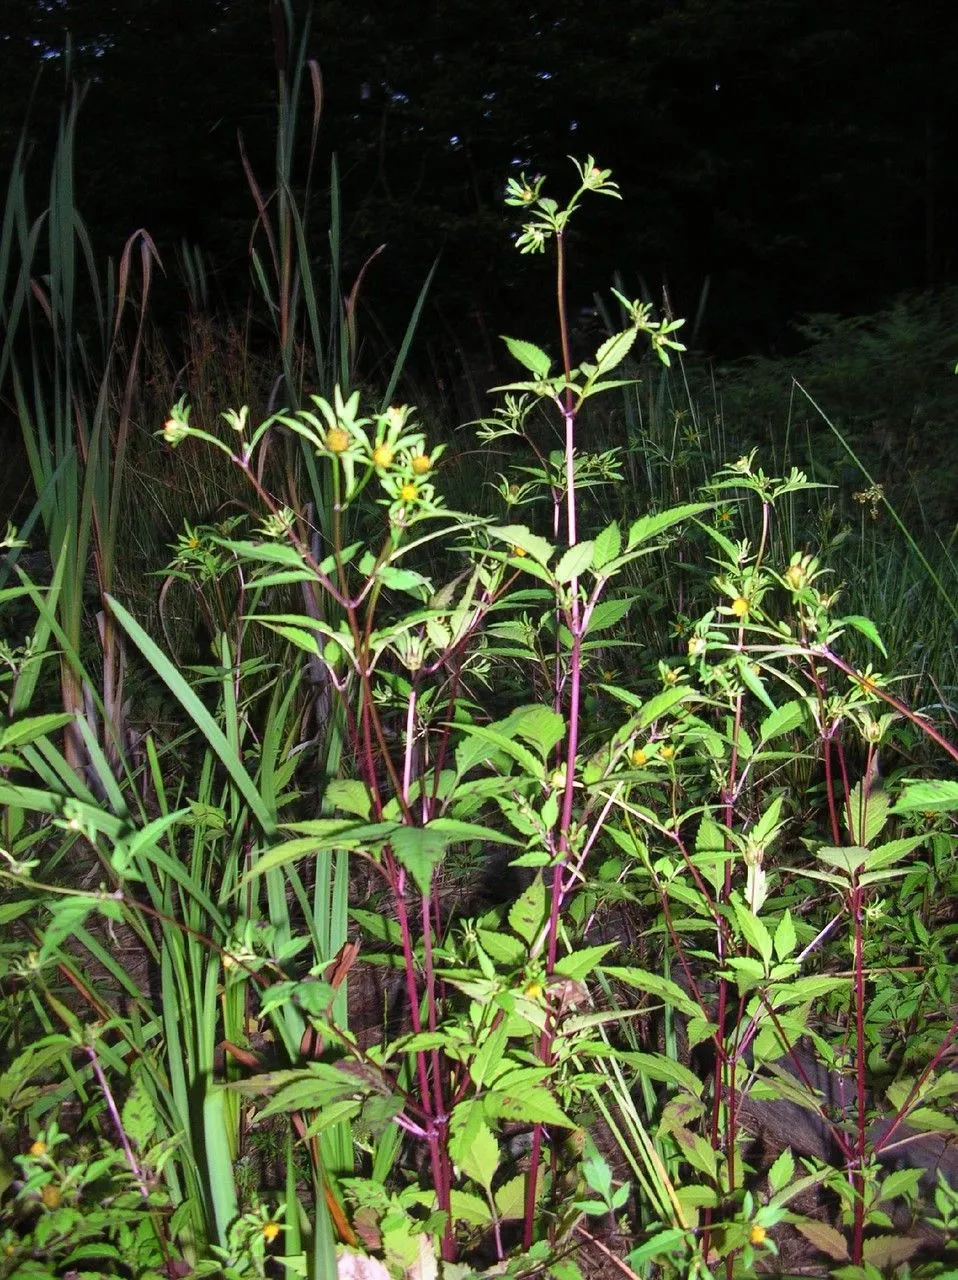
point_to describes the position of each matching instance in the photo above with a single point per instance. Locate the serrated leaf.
(782, 1171)
(139, 1115)
(867, 628)
(510, 1198)
(538, 725)
(528, 913)
(530, 1104)
(517, 535)
(753, 930)
(529, 356)
(654, 984)
(472, 1145)
(579, 964)
(753, 682)
(784, 719)
(614, 350)
(607, 545)
(575, 561)
(785, 938)
(350, 795)
(824, 1238)
(866, 812)
(649, 527)
(655, 1066)
(937, 795)
(607, 613)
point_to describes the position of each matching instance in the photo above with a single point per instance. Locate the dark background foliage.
(796, 155)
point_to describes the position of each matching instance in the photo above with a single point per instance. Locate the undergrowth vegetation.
(427, 855)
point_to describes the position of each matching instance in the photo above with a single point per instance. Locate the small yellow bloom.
(409, 492)
(639, 758)
(383, 456)
(50, 1196)
(38, 1148)
(337, 440)
(421, 464)
(534, 991)
(740, 606)
(757, 1234)
(518, 552)
(270, 1231)
(667, 753)
(795, 576)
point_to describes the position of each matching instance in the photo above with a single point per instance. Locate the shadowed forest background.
(778, 156)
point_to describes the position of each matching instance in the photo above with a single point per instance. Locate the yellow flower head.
(270, 1231)
(409, 492)
(518, 552)
(50, 1196)
(757, 1234)
(383, 456)
(337, 440)
(38, 1148)
(421, 464)
(740, 606)
(667, 752)
(639, 758)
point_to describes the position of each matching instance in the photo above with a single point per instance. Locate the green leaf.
(785, 938)
(753, 929)
(419, 850)
(938, 795)
(580, 964)
(536, 724)
(783, 719)
(649, 527)
(613, 351)
(517, 535)
(529, 356)
(654, 984)
(529, 1104)
(349, 795)
(655, 1066)
(608, 612)
(752, 681)
(139, 1114)
(607, 546)
(30, 728)
(867, 629)
(528, 914)
(575, 561)
(866, 812)
(472, 1145)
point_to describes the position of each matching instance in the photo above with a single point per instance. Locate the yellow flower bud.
(383, 456)
(409, 492)
(740, 606)
(337, 440)
(421, 464)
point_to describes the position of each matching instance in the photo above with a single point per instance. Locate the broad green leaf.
(536, 724)
(614, 350)
(348, 795)
(892, 851)
(848, 860)
(753, 929)
(30, 728)
(419, 850)
(517, 535)
(785, 938)
(529, 1104)
(608, 612)
(489, 1056)
(607, 546)
(752, 681)
(936, 795)
(654, 984)
(580, 964)
(649, 527)
(866, 812)
(510, 1198)
(529, 356)
(575, 561)
(655, 1066)
(529, 912)
(784, 719)
(472, 1145)
(867, 629)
